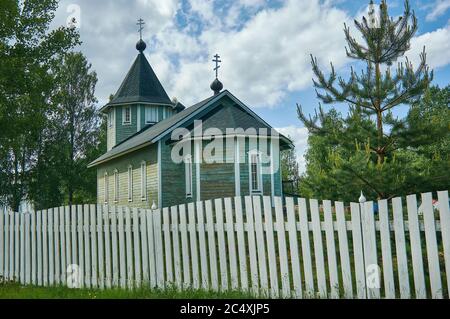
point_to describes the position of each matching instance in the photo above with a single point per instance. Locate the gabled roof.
(153, 133)
(140, 85)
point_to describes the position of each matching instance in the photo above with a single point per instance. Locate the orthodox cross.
(217, 61)
(141, 26)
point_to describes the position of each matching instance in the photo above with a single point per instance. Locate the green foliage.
(27, 50)
(289, 171)
(50, 127)
(370, 149)
(73, 139)
(373, 91)
(340, 163)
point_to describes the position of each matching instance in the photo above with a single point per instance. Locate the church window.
(116, 186)
(105, 186)
(143, 181)
(151, 114)
(126, 115)
(130, 183)
(255, 173)
(111, 118)
(188, 173)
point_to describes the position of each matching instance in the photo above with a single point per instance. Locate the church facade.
(160, 153)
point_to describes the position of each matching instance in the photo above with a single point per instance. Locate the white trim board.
(159, 176)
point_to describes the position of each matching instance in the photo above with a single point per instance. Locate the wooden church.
(138, 168)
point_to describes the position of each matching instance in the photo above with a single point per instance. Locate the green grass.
(16, 291)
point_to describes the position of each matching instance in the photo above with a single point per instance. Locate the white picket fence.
(300, 250)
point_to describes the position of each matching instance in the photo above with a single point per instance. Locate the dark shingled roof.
(149, 135)
(140, 85)
(146, 135)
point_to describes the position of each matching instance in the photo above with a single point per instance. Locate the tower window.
(111, 118)
(126, 115)
(151, 114)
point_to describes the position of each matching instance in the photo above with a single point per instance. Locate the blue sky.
(264, 45)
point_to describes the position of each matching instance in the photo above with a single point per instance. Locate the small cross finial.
(141, 26)
(217, 61)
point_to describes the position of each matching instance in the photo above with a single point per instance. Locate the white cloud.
(439, 8)
(265, 51)
(299, 135)
(264, 59)
(269, 56)
(437, 47)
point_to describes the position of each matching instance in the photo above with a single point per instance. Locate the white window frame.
(153, 111)
(259, 189)
(130, 183)
(111, 118)
(116, 186)
(188, 175)
(124, 112)
(106, 187)
(144, 181)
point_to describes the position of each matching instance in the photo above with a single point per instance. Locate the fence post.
(371, 266)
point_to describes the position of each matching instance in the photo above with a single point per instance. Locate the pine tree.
(369, 149)
(385, 40)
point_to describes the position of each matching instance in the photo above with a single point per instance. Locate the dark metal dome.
(216, 86)
(140, 45)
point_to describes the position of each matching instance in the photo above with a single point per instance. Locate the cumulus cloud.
(299, 135)
(265, 50)
(438, 8)
(437, 46)
(265, 54)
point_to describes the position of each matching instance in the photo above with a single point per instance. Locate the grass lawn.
(17, 291)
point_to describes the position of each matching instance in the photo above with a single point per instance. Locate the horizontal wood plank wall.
(299, 251)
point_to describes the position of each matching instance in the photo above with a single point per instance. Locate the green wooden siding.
(125, 131)
(173, 182)
(217, 180)
(147, 154)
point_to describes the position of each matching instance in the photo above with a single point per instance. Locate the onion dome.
(216, 86)
(140, 46)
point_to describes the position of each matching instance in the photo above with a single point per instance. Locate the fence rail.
(254, 244)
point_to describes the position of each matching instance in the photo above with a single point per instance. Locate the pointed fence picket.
(293, 250)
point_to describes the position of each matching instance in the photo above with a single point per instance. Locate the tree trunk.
(71, 159)
(380, 149)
